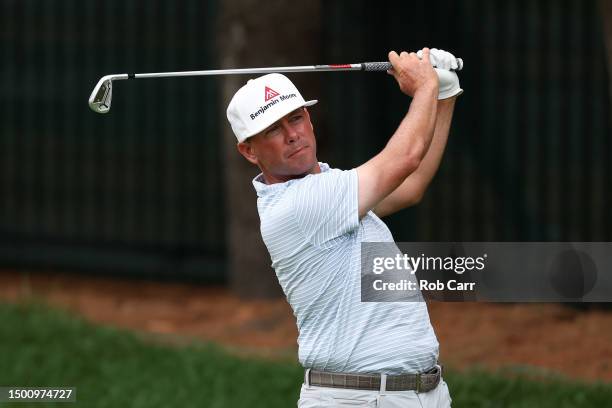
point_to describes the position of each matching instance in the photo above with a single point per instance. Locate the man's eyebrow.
(272, 126)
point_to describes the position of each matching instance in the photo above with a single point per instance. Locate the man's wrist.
(427, 90)
(447, 101)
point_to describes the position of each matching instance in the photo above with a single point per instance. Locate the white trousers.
(319, 397)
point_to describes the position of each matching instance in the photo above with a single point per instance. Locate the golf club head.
(101, 97)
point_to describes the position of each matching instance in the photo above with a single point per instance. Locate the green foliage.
(522, 390)
(115, 368)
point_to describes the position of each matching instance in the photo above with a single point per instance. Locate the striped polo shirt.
(312, 230)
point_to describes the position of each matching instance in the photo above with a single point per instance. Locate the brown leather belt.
(422, 382)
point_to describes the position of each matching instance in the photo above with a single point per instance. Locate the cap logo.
(270, 93)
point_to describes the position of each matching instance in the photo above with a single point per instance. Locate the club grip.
(383, 66)
(376, 66)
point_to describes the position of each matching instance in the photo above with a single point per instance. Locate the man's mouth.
(299, 149)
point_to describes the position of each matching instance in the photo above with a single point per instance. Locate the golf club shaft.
(364, 66)
(269, 70)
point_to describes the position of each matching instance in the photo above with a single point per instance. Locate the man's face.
(285, 150)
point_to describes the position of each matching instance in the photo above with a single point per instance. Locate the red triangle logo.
(270, 93)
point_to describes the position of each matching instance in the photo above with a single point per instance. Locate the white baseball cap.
(261, 102)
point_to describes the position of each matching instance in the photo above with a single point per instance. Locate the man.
(314, 218)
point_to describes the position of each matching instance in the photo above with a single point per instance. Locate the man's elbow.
(416, 198)
(397, 169)
(412, 164)
(416, 194)
(413, 159)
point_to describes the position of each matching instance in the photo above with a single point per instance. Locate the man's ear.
(246, 149)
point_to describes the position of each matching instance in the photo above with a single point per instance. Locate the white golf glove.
(449, 84)
(444, 62)
(441, 59)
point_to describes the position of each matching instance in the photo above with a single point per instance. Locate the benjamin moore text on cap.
(261, 102)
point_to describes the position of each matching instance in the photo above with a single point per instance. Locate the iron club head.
(101, 96)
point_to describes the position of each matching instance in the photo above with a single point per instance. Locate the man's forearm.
(413, 187)
(431, 162)
(412, 139)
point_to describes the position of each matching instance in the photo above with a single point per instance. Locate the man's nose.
(291, 135)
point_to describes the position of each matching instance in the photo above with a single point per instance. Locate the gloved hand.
(449, 81)
(441, 59)
(449, 84)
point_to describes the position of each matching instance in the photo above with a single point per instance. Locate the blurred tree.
(252, 34)
(606, 13)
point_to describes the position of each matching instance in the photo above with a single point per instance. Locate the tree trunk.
(253, 34)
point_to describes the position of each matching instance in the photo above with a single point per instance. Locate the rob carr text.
(402, 285)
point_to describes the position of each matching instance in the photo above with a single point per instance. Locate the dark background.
(154, 188)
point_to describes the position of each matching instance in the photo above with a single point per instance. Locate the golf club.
(100, 98)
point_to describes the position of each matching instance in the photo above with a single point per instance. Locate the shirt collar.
(263, 189)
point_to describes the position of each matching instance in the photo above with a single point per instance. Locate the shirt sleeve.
(326, 206)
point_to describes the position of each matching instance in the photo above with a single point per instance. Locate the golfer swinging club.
(314, 218)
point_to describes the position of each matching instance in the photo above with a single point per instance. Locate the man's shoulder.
(324, 176)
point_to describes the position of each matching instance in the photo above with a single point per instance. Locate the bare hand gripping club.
(100, 98)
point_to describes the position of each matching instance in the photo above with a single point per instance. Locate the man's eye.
(296, 118)
(272, 131)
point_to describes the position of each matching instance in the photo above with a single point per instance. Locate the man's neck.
(272, 179)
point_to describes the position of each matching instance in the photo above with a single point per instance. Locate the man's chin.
(305, 169)
(310, 167)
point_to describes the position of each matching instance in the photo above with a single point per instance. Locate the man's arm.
(413, 188)
(402, 155)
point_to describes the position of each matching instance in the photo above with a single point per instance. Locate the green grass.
(115, 368)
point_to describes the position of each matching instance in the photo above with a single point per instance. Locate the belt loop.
(383, 383)
(418, 383)
(307, 377)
